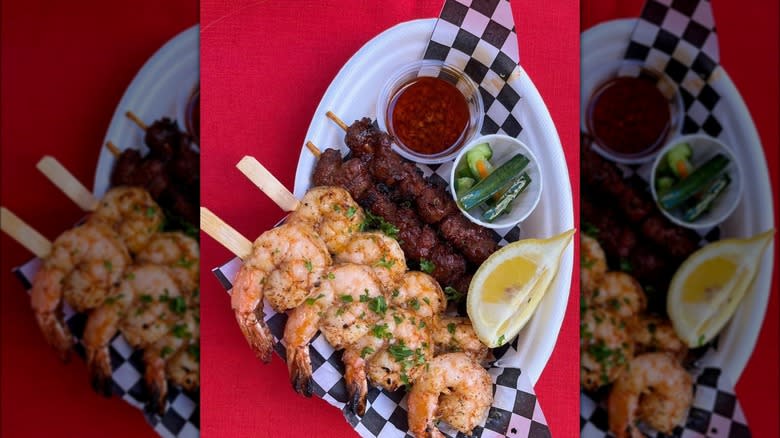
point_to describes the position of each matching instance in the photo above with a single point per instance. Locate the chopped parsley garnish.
(308, 265)
(130, 276)
(452, 294)
(367, 351)
(180, 331)
(414, 304)
(145, 298)
(398, 318)
(311, 300)
(108, 265)
(177, 305)
(451, 328)
(166, 351)
(400, 351)
(378, 305)
(427, 301)
(396, 292)
(150, 211)
(378, 223)
(387, 264)
(194, 351)
(380, 331)
(346, 298)
(427, 266)
(351, 211)
(185, 263)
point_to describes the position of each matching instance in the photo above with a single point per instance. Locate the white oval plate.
(160, 89)
(352, 95)
(607, 42)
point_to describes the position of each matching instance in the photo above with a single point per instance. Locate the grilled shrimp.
(83, 265)
(593, 264)
(330, 212)
(379, 251)
(652, 333)
(656, 389)
(421, 293)
(132, 213)
(142, 307)
(390, 356)
(456, 334)
(454, 388)
(179, 252)
(605, 347)
(286, 262)
(345, 306)
(622, 293)
(174, 356)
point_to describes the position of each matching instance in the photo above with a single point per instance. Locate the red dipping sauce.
(428, 115)
(629, 116)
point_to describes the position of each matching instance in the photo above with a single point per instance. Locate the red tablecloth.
(65, 66)
(748, 38)
(264, 68)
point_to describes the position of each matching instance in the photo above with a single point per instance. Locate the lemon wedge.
(710, 283)
(508, 286)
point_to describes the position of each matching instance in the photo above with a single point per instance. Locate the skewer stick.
(268, 183)
(313, 149)
(223, 233)
(113, 149)
(337, 120)
(65, 181)
(23, 233)
(131, 115)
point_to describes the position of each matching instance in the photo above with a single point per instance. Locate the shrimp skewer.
(345, 306)
(130, 211)
(454, 388)
(655, 389)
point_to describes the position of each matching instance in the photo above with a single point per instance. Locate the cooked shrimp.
(421, 293)
(390, 357)
(141, 307)
(652, 333)
(622, 293)
(286, 262)
(379, 251)
(345, 306)
(178, 252)
(330, 212)
(655, 389)
(132, 213)
(81, 268)
(175, 355)
(454, 388)
(605, 347)
(455, 333)
(593, 264)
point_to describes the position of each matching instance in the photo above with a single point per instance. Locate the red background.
(748, 39)
(265, 67)
(65, 65)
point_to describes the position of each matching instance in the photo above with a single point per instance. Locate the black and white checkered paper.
(515, 411)
(678, 37)
(182, 414)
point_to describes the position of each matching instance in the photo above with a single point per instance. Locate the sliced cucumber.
(708, 197)
(501, 177)
(464, 183)
(480, 153)
(699, 179)
(679, 160)
(517, 186)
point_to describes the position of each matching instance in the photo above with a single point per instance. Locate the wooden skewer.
(113, 149)
(23, 233)
(337, 120)
(65, 181)
(131, 115)
(268, 183)
(223, 233)
(313, 149)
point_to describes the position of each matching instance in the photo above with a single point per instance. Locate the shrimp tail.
(99, 368)
(357, 384)
(156, 381)
(257, 334)
(299, 366)
(56, 333)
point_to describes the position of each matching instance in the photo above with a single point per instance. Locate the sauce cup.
(437, 69)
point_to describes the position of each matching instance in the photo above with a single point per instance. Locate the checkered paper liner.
(678, 37)
(478, 37)
(515, 411)
(182, 414)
